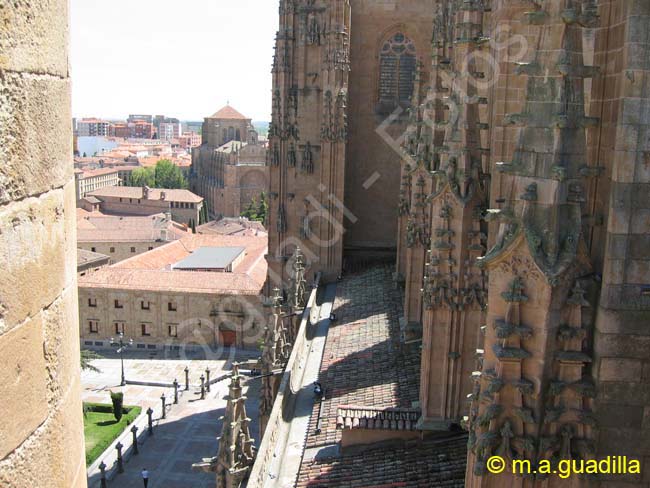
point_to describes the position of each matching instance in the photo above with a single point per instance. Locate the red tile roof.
(228, 112)
(90, 173)
(363, 364)
(152, 270)
(154, 194)
(371, 382)
(99, 227)
(433, 462)
(233, 226)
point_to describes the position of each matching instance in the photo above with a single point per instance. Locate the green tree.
(193, 226)
(118, 401)
(143, 176)
(251, 211)
(168, 175)
(203, 218)
(262, 208)
(86, 357)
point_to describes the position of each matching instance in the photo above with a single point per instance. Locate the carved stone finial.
(236, 453)
(505, 449)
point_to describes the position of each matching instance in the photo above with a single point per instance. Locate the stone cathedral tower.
(308, 133)
(344, 74)
(522, 224)
(534, 398)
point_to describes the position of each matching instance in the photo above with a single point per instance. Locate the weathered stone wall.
(229, 180)
(622, 337)
(239, 318)
(122, 250)
(41, 440)
(133, 206)
(373, 145)
(214, 135)
(307, 138)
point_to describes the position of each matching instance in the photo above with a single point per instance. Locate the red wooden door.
(228, 337)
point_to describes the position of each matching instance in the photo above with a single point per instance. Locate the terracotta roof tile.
(233, 226)
(154, 193)
(433, 462)
(99, 227)
(152, 270)
(371, 382)
(362, 363)
(228, 112)
(97, 172)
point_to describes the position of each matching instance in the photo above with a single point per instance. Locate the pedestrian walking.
(145, 477)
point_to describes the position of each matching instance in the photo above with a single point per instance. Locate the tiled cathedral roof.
(228, 112)
(415, 464)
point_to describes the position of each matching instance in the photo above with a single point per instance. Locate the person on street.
(145, 477)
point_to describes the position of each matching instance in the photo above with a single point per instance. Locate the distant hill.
(262, 128)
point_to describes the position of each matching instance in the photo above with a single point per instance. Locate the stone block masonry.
(41, 440)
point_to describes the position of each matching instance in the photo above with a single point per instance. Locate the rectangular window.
(145, 305)
(93, 249)
(171, 307)
(93, 327)
(146, 329)
(172, 330)
(133, 249)
(119, 328)
(118, 304)
(92, 302)
(112, 249)
(151, 248)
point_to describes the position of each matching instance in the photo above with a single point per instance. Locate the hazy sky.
(180, 58)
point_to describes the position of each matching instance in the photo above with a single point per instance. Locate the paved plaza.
(189, 432)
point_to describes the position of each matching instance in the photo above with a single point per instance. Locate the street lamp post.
(121, 346)
(214, 313)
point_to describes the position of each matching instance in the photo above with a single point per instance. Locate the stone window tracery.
(397, 65)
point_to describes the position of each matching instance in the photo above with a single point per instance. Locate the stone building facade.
(521, 220)
(229, 174)
(88, 261)
(229, 177)
(91, 180)
(42, 438)
(161, 307)
(183, 205)
(122, 237)
(226, 125)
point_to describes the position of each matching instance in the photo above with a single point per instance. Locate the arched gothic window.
(397, 65)
(231, 133)
(225, 135)
(238, 135)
